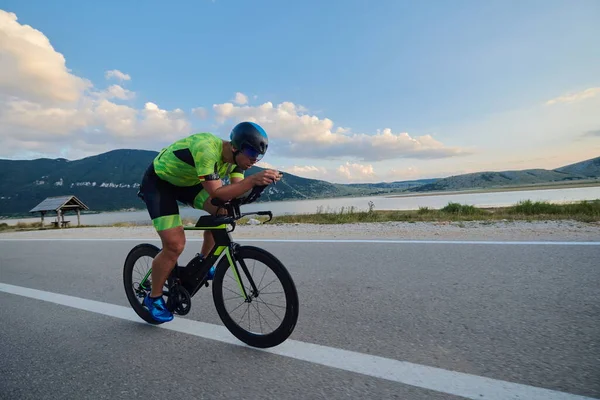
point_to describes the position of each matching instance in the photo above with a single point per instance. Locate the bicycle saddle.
(212, 221)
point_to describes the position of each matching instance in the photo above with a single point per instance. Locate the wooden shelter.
(60, 205)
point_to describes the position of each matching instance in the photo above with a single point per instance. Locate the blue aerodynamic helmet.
(250, 139)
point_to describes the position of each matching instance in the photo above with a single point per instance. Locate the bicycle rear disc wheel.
(270, 316)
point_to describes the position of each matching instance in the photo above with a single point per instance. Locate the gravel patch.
(472, 230)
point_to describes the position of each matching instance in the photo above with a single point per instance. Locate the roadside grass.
(29, 226)
(527, 210)
(585, 211)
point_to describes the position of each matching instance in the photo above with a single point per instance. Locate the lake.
(397, 202)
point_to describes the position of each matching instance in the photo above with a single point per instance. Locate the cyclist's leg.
(209, 242)
(161, 201)
(173, 243)
(198, 198)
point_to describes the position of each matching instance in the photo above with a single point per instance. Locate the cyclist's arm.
(216, 189)
(237, 175)
(206, 153)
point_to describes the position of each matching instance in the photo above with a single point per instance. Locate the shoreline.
(524, 188)
(545, 186)
(545, 230)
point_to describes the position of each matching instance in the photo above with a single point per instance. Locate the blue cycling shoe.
(211, 273)
(158, 309)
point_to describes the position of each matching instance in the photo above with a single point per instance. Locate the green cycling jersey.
(193, 160)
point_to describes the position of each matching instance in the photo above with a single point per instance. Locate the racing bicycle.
(254, 291)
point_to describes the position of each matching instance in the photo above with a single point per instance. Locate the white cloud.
(155, 121)
(119, 122)
(573, 97)
(200, 112)
(31, 68)
(308, 171)
(34, 121)
(401, 174)
(43, 107)
(350, 172)
(240, 98)
(353, 172)
(301, 135)
(116, 74)
(116, 91)
(263, 164)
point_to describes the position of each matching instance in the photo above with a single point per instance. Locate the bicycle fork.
(231, 258)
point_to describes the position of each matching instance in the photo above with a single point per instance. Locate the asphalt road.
(526, 314)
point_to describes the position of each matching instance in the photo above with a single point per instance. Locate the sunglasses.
(251, 153)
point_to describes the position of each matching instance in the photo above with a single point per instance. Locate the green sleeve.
(237, 173)
(206, 156)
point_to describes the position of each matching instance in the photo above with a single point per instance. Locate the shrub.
(456, 208)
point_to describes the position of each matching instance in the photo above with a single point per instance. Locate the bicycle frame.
(192, 276)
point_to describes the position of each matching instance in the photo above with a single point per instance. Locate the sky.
(348, 91)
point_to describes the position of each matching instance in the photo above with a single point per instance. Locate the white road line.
(437, 379)
(388, 241)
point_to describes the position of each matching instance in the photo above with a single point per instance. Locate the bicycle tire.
(137, 252)
(286, 327)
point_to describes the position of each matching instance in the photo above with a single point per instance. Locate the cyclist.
(191, 170)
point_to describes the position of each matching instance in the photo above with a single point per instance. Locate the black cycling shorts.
(161, 199)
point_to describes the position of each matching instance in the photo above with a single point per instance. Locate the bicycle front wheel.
(265, 317)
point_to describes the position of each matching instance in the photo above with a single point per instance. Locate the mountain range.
(109, 181)
(584, 170)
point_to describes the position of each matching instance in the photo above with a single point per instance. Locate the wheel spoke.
(274, 280)
(232, 291)
(249, 328)
(270, 308)
(261, 279)
(244, 311)
(231, 298)
(264, 302)
(259, 317)
(259, 321)
(233, 278)
(241, 304)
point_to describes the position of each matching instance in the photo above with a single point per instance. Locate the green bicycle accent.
(185, 281)
(143, 282)
(204, 228)
(219, 250)
(237, 276)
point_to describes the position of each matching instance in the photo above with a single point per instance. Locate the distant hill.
(392, 185)
(104, 182)
(589, 168)
(110, 181)
(481, 180)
